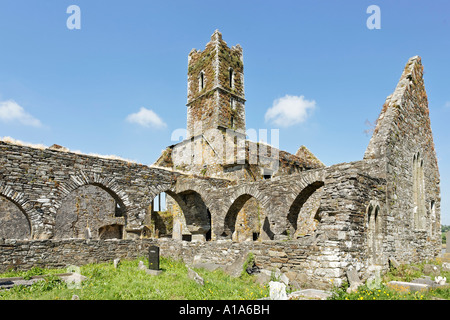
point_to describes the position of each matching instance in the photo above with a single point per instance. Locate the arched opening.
(303, 214)
(246, 221)
(374, 234)
(14, 223)
(86, 210)
(182, 216)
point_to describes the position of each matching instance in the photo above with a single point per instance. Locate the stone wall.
(310, 264)
(41, 183)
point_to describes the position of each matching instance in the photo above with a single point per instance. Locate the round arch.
(111, 204)
(192, 220)
(246, 219)
(303, 202)
(15, 225)
(107, 184)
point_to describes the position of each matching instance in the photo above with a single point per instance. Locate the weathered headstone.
(353, 280)
(195, 276)
(394, 263)
(431, 269)
(153, 258)
(235, 269)
(116, 263)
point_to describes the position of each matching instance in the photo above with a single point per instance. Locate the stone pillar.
(447, 250)
(176, 231)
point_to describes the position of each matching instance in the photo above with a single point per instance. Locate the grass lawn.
(104, 282)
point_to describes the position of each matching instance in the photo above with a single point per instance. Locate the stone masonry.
(291, 211)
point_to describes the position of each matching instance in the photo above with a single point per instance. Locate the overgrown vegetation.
(402, 273)
(104, 282)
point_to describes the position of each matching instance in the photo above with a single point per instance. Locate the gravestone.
(153, 258)
(353, 280)
(195, 276)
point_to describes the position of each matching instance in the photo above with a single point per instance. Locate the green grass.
(104, 282)
(405, 273)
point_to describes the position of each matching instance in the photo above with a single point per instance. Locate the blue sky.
(79, 88)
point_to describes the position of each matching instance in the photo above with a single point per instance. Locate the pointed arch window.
(374, 234)
(419, 210)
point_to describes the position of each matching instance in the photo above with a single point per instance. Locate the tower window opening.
(201, 81)
(231, 78)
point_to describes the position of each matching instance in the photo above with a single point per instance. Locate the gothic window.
(374, 234)
(419, 211)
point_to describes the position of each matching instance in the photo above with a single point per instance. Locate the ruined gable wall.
(403, 131)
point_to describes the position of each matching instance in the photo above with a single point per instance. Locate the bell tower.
(215, 97)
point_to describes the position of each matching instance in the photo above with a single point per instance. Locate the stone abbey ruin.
(228, 196)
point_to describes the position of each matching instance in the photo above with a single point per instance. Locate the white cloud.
(447, 105)
(146, 118)
(290, 110)
(10, 111)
